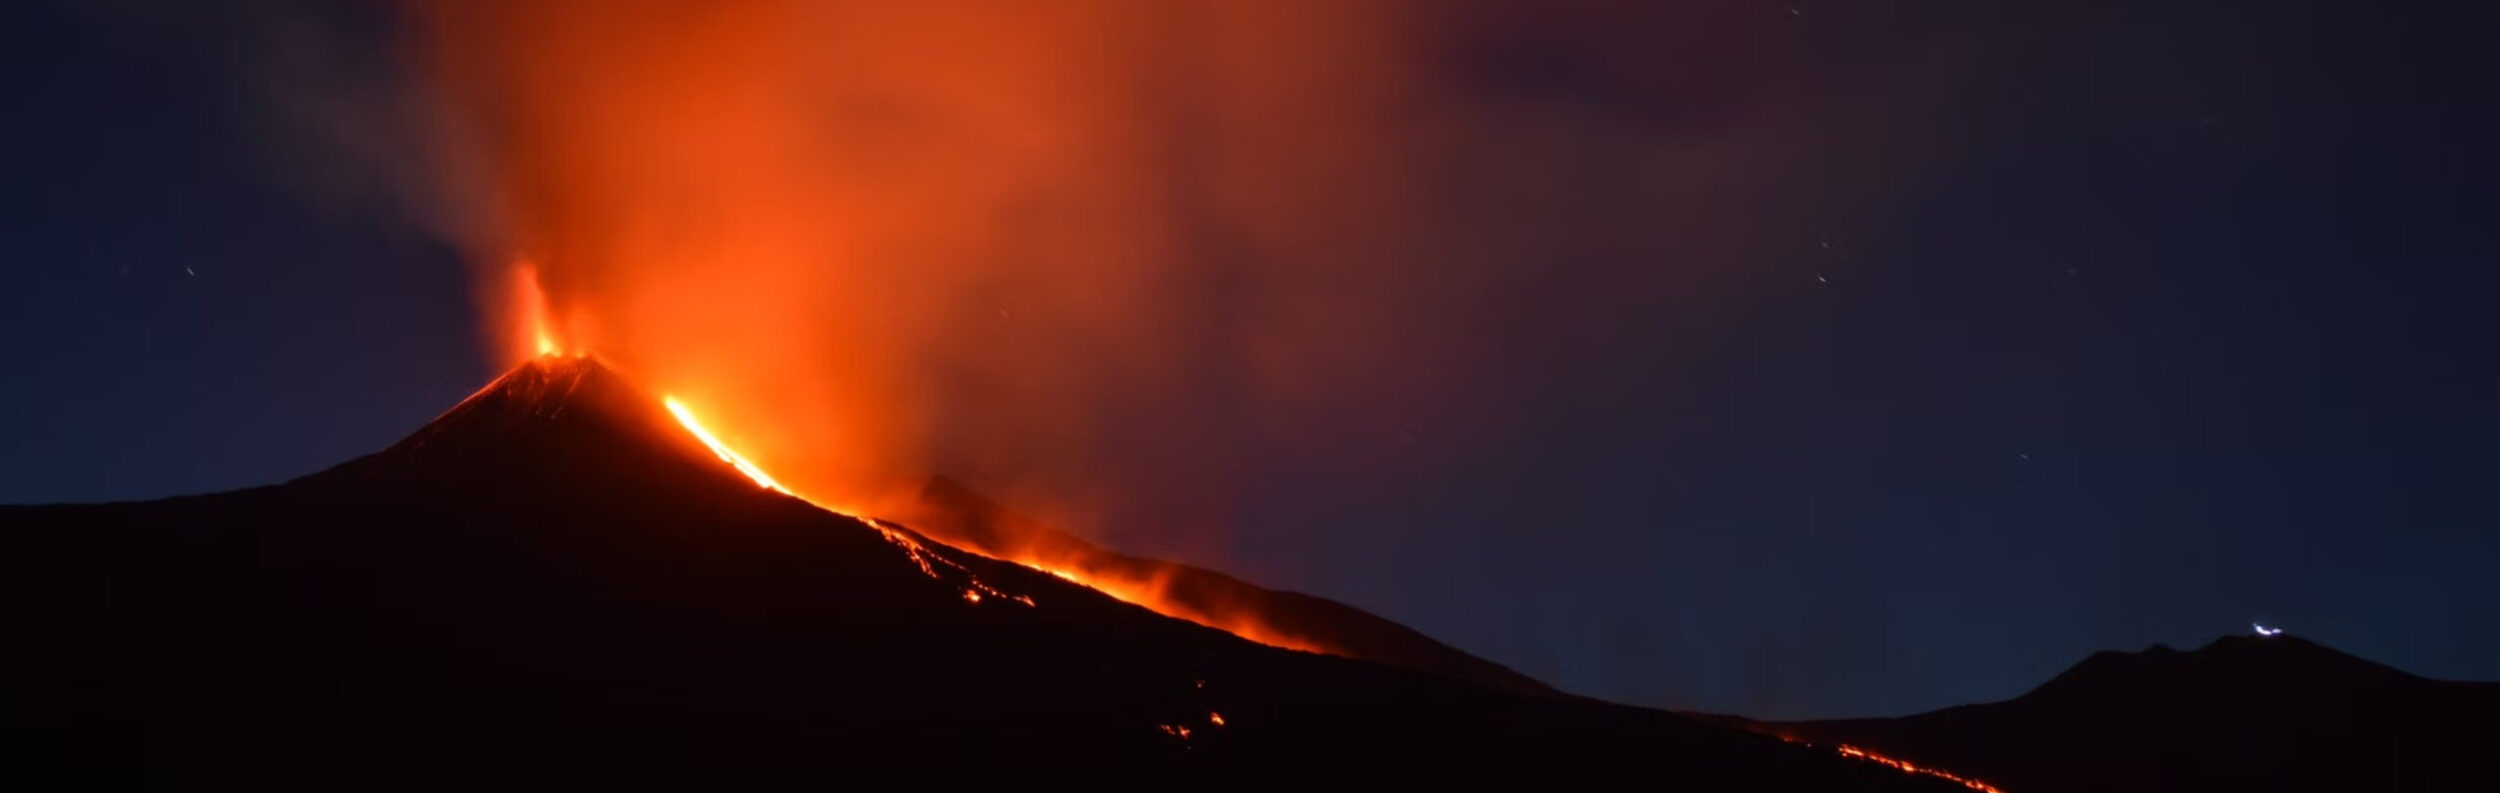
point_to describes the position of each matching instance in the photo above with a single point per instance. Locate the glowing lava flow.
(534, 314)
(541, 338)
(974, 591)
(1908, 768)
(1147, 593)
(686, 417)
(1902, 766)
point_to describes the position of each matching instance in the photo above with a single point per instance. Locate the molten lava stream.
(1144, 593)
(1907, 767)
(974, 590)
(541, 336)
(686, 417)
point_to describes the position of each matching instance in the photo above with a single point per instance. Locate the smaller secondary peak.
(2230, 661)
(2279, 647)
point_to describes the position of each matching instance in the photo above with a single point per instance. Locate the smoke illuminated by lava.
(1062, 249)
(1152, 591)
(893, 238)
(538, 335)
(1105, 258)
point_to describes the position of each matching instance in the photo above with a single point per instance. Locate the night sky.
(2002, 333)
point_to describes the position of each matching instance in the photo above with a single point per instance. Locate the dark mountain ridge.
(2274, 712)
(551, 584)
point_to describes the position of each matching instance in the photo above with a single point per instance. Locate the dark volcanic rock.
(551, 584)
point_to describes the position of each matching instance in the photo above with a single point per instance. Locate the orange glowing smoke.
(529, 304)
(1152, 592)
(1090, 253)
(1106, 257)
(1026, 243)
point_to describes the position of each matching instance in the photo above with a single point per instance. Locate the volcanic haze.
(1101, 258)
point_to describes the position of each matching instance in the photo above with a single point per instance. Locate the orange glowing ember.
(686, 417)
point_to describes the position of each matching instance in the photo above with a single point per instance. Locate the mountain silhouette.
(553, 584)
(2276, 712)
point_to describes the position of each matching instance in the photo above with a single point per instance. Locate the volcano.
(2267, 712)
(556, 583)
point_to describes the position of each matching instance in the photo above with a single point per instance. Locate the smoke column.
(1098, 257)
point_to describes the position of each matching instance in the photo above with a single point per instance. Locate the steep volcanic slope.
(959, 516)
(552, 584)
(2243, 713)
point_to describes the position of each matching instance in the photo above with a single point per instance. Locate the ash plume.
(1106, 258)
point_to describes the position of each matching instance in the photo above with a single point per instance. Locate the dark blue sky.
(2170, 316)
